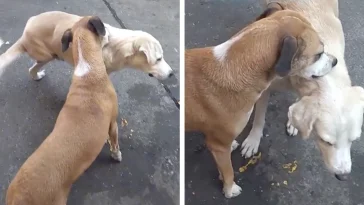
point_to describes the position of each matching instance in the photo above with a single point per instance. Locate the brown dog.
(83, 125)
(224, 82)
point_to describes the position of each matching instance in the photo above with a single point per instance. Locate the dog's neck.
(88, 57)
(242, 60)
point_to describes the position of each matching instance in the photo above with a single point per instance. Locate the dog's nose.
(170, 75)
(342, 177)
(150, 75)
(334, 62)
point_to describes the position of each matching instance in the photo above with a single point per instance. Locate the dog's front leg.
(114, 142)
(251, 143)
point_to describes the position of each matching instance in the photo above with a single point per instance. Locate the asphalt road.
(210, 22)
(149, 172)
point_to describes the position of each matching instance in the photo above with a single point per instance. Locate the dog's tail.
(10, 55)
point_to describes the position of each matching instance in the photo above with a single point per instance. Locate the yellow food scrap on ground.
(285, 182)
(292, 167)
(252, 161)
(124, 122)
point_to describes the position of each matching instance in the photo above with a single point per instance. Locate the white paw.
(292, 131)
(250, 145)
(116, 155)
(39, 75)
(234, 145)
(233, 191)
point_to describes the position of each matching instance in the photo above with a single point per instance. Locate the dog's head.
(140, 51)
(336, 123)
(149, 57)
(91, 24)
(301, 50)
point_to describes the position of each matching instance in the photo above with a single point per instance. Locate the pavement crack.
(122, 25)
(113, 12)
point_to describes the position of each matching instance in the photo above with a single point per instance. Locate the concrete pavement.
(149, 172)
(210, 22)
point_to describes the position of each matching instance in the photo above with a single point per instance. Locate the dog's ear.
(271, 8)
(287, 52)
(145, 50)
(66, 39)
(96, 25)
(303, 115)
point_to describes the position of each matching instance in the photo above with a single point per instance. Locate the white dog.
(330, 106)
(42, 37)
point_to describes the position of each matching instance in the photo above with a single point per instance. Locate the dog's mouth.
(342, 177)
(170, 75)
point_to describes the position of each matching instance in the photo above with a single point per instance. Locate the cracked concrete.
(149, 172)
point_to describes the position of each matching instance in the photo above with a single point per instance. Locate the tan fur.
(86, 120)
(220, 94)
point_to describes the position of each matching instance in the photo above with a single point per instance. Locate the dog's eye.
(318, 56)
(159, 59)
(326, 142)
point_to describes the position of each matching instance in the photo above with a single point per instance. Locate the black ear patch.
(96, 25)
(271, 8)
(66, 39)
(288, 50)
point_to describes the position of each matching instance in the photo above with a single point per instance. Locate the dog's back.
(79, 134)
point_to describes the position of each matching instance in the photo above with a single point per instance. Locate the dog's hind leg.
(222, 156)
(114, 142)
(251, 143)
(35, 71)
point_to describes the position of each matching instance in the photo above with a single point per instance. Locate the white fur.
(221, 50)
(128, 42)
(341, 159)
(82, 67)
(250, 146)
(35, 71)
(1, 42)
(320, 68)
(117, 155)
(291, 130)
(233, 191)
(234, 145)
(339, 114)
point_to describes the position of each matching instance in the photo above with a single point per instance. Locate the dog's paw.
(233, 191)
(234, 145)
(250, 146)
(291, 130)
(39, 75)
(116, 156)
